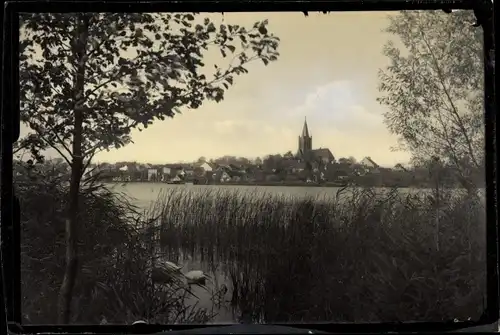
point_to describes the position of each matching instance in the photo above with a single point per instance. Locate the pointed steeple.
(305, 141)
(305, 130)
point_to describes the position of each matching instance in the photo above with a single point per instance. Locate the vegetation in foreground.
(115, 282)
(359, 258)
(448, 123)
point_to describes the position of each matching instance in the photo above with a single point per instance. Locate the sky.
(327, 72)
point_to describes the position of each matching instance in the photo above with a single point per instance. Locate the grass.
(356, 258)
(114, 283)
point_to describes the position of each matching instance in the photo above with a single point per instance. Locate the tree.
(101, 75)
(288, 155)
(198, 172)
(272, 162)
(345, 161)
(435, 93)
(243, 161)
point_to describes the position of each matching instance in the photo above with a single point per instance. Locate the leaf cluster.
(433, 86)
(138, 68)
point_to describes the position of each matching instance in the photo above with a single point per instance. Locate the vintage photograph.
(264, 167)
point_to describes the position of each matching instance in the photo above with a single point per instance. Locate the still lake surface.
(144, 196)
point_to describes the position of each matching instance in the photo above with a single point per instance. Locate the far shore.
(280, 184)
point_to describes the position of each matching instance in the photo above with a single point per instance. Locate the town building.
(369, 163)
(305, 151)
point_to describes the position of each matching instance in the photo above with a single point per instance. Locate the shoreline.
(275, 184)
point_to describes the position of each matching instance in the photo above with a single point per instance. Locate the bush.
(359, 258)
(114, 283)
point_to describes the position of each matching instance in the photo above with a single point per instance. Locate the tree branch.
(39, 133)
(450, 100)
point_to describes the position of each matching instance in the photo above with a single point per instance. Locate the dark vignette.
(10, 237)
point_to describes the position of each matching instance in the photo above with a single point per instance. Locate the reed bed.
(117, 257)
(357, 256)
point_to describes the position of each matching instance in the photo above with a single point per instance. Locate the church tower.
(305, 141)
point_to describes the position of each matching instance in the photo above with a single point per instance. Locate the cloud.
(337, 105)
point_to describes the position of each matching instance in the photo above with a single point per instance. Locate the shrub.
(114, 283)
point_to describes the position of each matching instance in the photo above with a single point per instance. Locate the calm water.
(145, 194)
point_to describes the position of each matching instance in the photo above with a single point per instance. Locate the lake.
(145, 194)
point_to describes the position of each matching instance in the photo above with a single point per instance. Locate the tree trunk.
(71, 270)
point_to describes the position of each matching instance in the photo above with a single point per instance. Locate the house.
(152, 174)
(323, 155)
(176, 179)
(369, 163)
(360, 171)
(164, 173)
(179, 171)
(222, 176)
(207, 167)
(166, 170)
(400, 168)
(223, 167)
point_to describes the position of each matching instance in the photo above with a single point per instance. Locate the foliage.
(88, 79)
(114, 284)
(361, 257)
(136, 68)
(434, 88)
(287, 258)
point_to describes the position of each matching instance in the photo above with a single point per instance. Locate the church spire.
(305, 130)
(305, 141)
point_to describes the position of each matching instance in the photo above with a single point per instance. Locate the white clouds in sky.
(337, 104)
(327, 72)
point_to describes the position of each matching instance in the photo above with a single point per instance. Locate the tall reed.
(114, 282)
(356, 256)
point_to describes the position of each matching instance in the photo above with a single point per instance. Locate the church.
(305, 151)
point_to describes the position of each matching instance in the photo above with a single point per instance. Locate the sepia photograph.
(251, 167)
